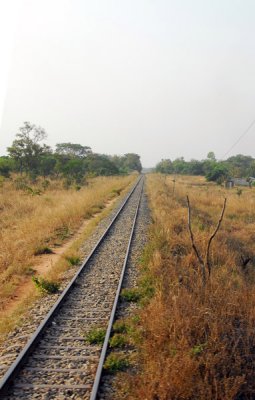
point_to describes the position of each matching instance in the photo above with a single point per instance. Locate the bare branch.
(208, 264)
(201, 262)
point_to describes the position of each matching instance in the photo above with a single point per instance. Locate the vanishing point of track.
(57, 363)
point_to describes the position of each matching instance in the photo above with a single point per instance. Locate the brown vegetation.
(196, 341)
(39, 221)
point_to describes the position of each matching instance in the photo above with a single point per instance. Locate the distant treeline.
(237, 166)
(28, 155)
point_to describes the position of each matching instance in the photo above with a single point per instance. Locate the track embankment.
(57, 362)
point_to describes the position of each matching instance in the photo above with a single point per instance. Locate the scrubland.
(37, 219)
(196, 341)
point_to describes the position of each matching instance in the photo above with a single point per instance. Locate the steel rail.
(14, 369)
(99, 371)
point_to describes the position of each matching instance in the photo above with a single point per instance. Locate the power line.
(240, 138)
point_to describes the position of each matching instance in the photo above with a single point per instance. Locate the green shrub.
(73, 260)
(95, 336)
(136, 319)
(131, 295)
(46, 286)
(120, 327)
(118, 340)
(115, 363)
(147, 287)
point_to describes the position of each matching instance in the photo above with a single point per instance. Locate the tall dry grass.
(196, 342)
(31, 222)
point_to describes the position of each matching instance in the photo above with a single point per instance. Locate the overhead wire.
(239, 139)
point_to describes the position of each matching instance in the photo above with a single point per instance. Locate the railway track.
(57, 363)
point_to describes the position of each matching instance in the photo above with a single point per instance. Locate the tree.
(118, 161)
(195, 167)
(99, 164)
(165, 167)
(240, 165)
(6, 166)
(26, 149)
(47, 165)
(74, 170)
(132, 162)
(180, 166)
(218, 173)
(211, 156)
(252, 169)
(73, 150)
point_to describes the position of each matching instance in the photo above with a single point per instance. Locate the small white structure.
(248, 182)
(241, 182)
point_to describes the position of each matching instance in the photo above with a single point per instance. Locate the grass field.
(197, 341)
(40, 220)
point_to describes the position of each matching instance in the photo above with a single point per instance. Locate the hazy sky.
(162, 78)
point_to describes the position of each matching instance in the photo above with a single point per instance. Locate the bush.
(131, 295)
(115, 363)
(120, 327)
(218, 173)
(6, 166)
(73, 260)
(118, 340)
(95, 336)
(46, 286)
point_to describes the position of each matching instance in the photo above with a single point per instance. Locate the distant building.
(229, 183)
(241, 182)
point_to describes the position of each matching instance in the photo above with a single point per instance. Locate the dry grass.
(197, 343)
(33, 222)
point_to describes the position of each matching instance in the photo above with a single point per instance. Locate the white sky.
(162, 78)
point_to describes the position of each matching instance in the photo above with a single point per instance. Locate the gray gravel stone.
(107, 387)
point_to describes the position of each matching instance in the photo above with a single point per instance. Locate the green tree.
(74, 170)
(99, 164)
(252, 169)
(195, 167)
(6, 166)
(240, 165)
(73, 150)
(118, 161)
(218, 173)
(26, 149)
(165, 167)
(211, 156)
(132, 162)
(47, 165)
(180, 166)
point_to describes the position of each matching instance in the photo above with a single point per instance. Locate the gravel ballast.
(126, 309)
